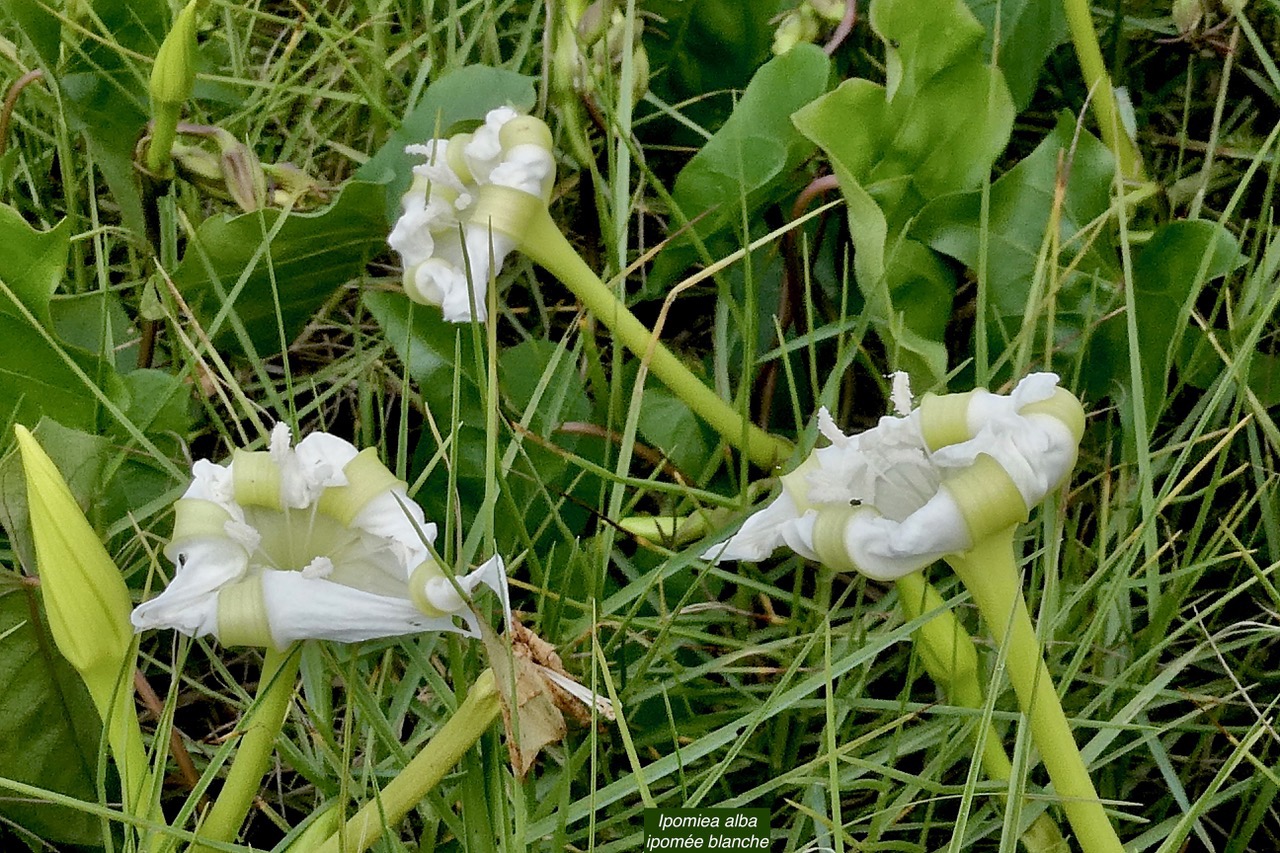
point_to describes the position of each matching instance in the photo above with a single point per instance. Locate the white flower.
(921, 485)
(317, 541)
(442, 246)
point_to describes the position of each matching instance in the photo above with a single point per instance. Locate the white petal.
(190, 603)
(884, 549)
(302, 608)
(214, 483)
(322, 457)
(493, 574)
(798, 534)
(1037, 451)
(827, 426)
(759, 535)
(525, 167)
(393, 517)
(580, 692)
(483, 152)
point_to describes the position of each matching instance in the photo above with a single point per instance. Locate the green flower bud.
(242, 172)
(172, 79)
(174, 74)
(830, 10)
(1187, 15)
(85, 597)
(593, 24)
(798, 26)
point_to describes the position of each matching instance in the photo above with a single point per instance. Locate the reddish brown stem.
(10, 101)
(790, 300)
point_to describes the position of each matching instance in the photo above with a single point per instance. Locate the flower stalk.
(989, 571)
(1106, 107)
(478, 711)
(951, 659)
(526, 218)
(261, 727)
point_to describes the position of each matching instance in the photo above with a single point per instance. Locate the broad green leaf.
(49, 729)
(310, 256)
(697, 47)
(935, 128)
(96, 321)
(460, 96)
(1029, 32)
(35, 377)
(746, 162)
(921, 39)
(1171, 269)
(668, 424)
(105, 90)
(33, 262)
(1022, 201)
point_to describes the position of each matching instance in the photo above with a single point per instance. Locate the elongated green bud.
(87, 605)
(84, 594)
(173, 77)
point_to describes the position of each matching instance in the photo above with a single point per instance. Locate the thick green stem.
(124, 736)
(474, 716)
(164, 130)
(1105, 107)
(951, 659)
(526, 218)
(275, 689)
(990, 573)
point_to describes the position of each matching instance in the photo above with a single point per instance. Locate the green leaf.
(254, 258)
(697, 47)
(668, 424)
(35, 378)
(33, 261)
(463, 95)
(921, 39)
(105, 89)
(38, 22)
(49, 729)
(1171, 269)
(935, 128)
(746, 162)
(1021, 203)
(1029, 32)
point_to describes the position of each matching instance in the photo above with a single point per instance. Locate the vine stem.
(951, 659)
(478, 711)
(526, 218)
(1103, 96)
(990, 573)
(261, 728)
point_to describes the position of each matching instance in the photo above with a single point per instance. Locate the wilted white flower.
(921, 485)
(442, 245)
(318, 541)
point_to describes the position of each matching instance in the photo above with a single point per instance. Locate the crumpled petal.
(447, 257)
(1036, 450)
(760, 535)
